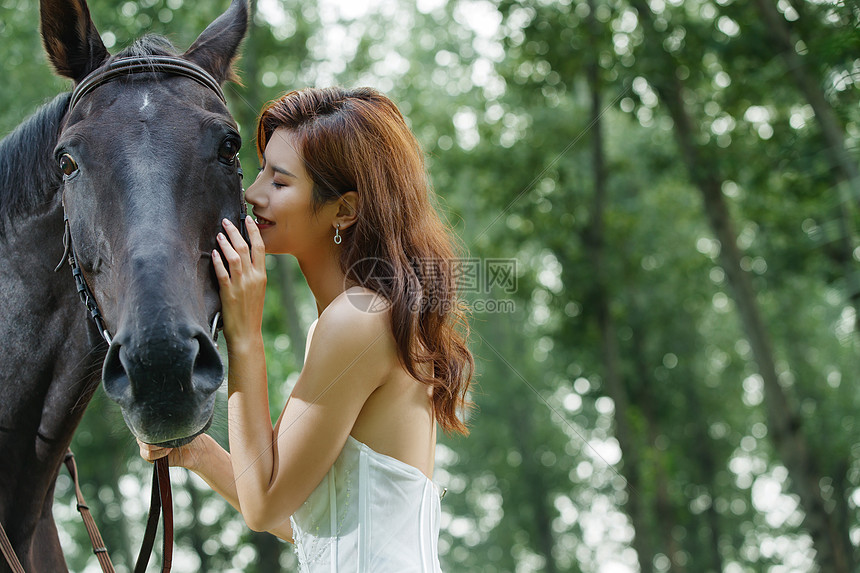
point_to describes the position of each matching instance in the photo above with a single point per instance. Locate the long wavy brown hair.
(399, 247)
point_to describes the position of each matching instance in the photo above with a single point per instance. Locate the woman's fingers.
(238, 253)
(184, 456)
(241, 272)
(220, 270)
(151, 453)
(258, 248)
(237, 241)
(229, 254)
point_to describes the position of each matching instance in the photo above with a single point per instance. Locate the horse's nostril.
(116, 381)
(208, 371)
(155, 368)
(165, 381)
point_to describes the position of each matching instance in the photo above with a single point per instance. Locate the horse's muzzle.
(164, 381)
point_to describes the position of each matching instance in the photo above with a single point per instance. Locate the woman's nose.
(252, 193)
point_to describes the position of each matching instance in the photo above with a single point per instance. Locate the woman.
(345, 471)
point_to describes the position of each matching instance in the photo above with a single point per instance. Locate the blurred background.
(658, 199)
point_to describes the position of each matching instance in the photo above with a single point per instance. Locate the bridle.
(119, 68)
(161, 495)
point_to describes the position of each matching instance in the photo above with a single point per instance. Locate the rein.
(161, 494)
(161, 499)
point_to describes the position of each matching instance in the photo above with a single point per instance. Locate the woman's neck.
(324, 278)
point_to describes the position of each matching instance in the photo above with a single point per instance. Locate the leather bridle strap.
(163, 470)
(92, 530)
(89, 523)
(147, 64)
(9, 552)
(160, 500)
(116, 69)
(161, 496)
(83, 289)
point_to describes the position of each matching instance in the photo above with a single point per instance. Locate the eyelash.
(275, 184)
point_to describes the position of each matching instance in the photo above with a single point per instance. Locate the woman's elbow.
(255, 523)
(267, 518)
(259, 518)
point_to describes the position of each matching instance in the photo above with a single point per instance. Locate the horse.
(127, 179)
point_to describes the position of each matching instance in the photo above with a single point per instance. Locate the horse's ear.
(216, 48)
(71, 40)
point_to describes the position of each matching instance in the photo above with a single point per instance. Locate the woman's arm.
(205, 457)
(218, 473)
(349, 357)
(276, 469)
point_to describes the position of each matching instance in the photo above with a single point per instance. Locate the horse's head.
(149, 171)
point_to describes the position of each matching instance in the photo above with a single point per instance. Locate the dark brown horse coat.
(145, 169)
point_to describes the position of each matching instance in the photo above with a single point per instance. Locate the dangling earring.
(337, 237)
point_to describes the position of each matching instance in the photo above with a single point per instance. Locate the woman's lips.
(262, 222)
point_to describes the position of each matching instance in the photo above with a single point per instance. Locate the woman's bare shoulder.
(356, 317)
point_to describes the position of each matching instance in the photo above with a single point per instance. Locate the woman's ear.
(347, 211)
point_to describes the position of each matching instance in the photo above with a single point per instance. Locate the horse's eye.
(228, 151)
(68, 165)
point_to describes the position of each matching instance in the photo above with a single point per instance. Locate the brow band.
(140, 65)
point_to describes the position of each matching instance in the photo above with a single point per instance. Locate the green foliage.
(500, 97)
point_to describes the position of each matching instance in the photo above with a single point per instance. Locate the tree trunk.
(521, 420)
(848, 178)
(194, 534)
(784, 423)
(783, 420)
(524, 440)
(268, 551)
(594, 240)
(665, 520)
(665, 511)
(631, 469)
(831, 128)
(707, 465)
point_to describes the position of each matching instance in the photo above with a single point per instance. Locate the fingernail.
(215, 255)
(221, 236)
(227, 222)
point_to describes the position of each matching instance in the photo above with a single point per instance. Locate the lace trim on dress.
(335, 505)
(324, 532)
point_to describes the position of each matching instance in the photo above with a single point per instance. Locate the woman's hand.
(186, 456)
(242, 281)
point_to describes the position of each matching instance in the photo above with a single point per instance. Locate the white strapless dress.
(370, 514)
